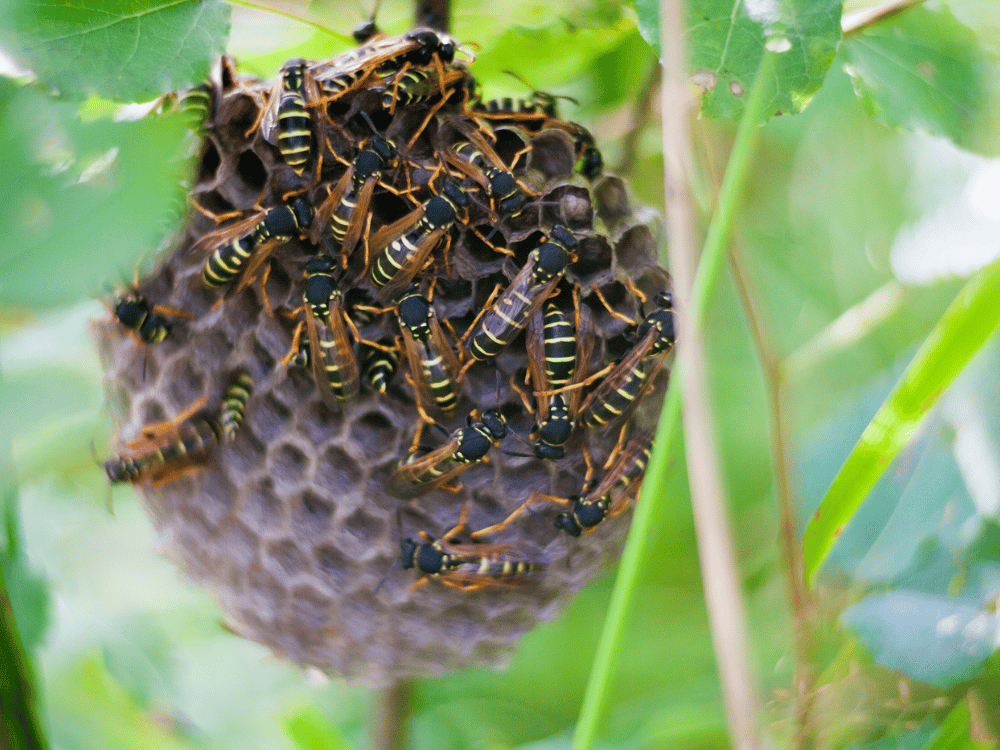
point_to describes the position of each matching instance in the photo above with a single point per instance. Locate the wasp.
(621, 388)
(538, 107)
(433, 365)
(406, 244)
(247, 243)
(165, 447)
(620, 483)
(330, 354)
(346, 207)
(286, 121)
(467, 566)
(418, 85)
(378, 365)
(617, 489)
(198, 106)
(380, 56)
(524, 296)
(558, 354)
(498, 181)
(591, 163)
(468, 445)
(148, 322)
(234, 404)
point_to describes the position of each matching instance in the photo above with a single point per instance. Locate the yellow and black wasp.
(241, 247)
(165, 449)
(483, 165)
(467, 566)
(234, 404)
(433, 366)
(380, 56)
(405, 245)
(538, 107)
(559, 355)
(419, 85)
(346, 207)
(286, 121)
(149, 323)
(621, 388)
(524, 296)
(378, 364)
(616, 491)
(331, 356)
(417, 474)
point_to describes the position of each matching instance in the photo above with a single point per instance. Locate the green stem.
(650, 510)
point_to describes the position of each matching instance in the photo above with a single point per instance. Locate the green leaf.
(124, 50)
(90, 200)
(960, 333)
(953, 734)
(934, 639)
(922, 70)
(727, 38)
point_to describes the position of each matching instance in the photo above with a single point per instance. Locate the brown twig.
(798, 593)
(19, 724)
(715, 548)
(434, 14)
(637, 118)
(392, 711)
(855, 23)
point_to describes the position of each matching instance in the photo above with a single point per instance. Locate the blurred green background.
(862, 218)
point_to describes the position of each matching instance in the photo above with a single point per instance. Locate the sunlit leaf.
(125, 50)
(726, 40)
(930, 638)
(963, 330)
(922, 70)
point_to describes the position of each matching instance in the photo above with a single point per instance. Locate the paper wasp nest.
(296, 522)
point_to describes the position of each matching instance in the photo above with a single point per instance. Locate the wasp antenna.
(471, 55)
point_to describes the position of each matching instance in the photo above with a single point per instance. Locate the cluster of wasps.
(385, 153)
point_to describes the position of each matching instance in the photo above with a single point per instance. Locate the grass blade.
(961, 332)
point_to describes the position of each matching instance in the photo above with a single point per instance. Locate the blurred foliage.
(922, 70)
(833, 244)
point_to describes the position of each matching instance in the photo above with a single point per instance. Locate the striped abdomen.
(294, 123)
(199, 437)
(227, 261)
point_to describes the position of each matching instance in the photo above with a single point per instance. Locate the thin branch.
(638, 117)
(855, 23)
(723, 595)
(286, 10)
(20, 728)
(798, 593)
(392, 712)
(434, 14)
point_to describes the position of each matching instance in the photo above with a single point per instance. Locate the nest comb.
(295, 523)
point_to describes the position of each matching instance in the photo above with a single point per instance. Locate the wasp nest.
(404, 324)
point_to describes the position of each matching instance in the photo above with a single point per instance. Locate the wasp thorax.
(385, 348)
